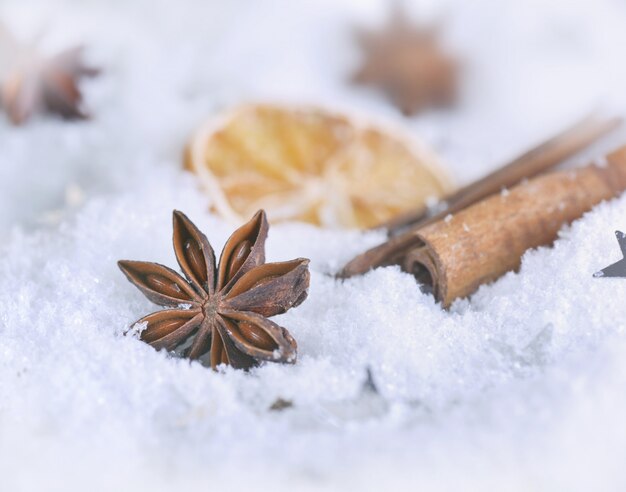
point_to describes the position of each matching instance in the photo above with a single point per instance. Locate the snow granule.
(520, 387)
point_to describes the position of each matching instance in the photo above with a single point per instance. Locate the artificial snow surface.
(520, 387)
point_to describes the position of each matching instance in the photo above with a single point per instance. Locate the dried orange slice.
(311, 165)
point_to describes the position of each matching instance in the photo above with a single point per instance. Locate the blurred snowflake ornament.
(31, 82)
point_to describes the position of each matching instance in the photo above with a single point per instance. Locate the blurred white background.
(530, 68)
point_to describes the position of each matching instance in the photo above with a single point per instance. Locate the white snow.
(520, 387)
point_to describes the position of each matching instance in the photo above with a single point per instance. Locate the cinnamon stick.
(546, 155)
(482, 242)
(531, 163)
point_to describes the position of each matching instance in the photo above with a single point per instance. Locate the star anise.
(219, 314)
(408, 64)
(31, 82)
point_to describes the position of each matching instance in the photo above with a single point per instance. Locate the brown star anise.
(219, 314)
(31, 82)
(408, 64)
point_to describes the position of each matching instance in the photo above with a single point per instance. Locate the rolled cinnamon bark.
(477, 245)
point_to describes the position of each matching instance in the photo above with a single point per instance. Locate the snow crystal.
(519, 387)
